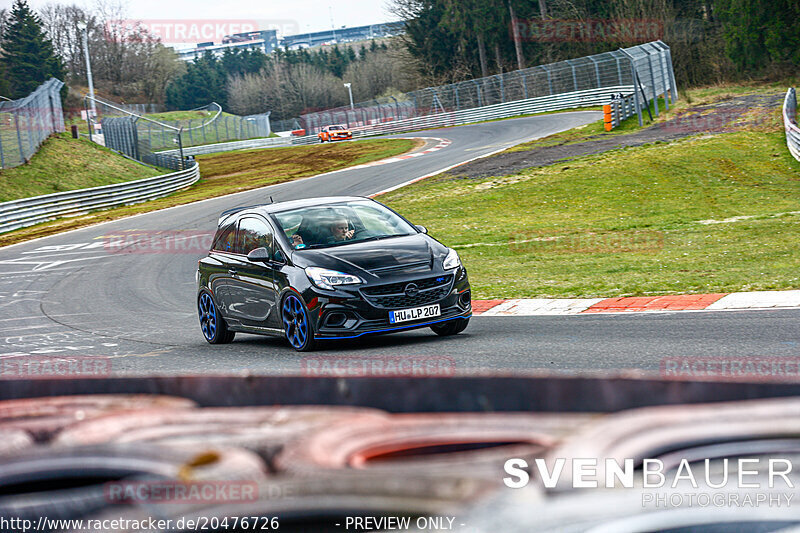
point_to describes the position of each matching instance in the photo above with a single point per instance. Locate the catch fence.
(27, 122)
(646, 67)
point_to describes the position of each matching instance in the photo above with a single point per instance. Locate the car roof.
(285, 206)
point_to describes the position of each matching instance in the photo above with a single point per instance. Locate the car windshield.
(341, 223)
(334, 128)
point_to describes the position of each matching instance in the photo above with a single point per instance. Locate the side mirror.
(259, 255)
(423, 229)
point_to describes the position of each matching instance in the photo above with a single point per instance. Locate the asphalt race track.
(67, 295)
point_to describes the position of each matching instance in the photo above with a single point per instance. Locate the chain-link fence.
(27, 122)
(648, 67)
(291, 124)
(144, 138)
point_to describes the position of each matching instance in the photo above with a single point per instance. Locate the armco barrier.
(790, 123)
(28, 211)
(542, 104)
(620, 108)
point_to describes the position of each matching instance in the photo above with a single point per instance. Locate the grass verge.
(650, 220)
(232, 172)
(66, 164)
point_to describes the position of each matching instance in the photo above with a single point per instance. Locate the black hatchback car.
(327, 268)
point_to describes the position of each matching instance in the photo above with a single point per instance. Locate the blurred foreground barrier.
(264, 430)
(790, 123)
(29, 211)
(42, 418)
(64, 482)
(536, 392)
(694, 433)
(14, 440)
(476, 443)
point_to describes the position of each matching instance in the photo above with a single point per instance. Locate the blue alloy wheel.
(296, 324)
(214, 328)
(208, 316)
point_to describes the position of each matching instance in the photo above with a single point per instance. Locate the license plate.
(404, 315)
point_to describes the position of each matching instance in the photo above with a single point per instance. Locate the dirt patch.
(732, 114)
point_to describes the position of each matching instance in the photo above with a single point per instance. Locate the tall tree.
(27, 54)
(761, 32)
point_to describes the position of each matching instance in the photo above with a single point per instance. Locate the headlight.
(328, 279)
(452, 260)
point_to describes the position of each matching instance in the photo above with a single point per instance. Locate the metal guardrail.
(620, 108)
(790, 123)
(542, 104)
(29, 211)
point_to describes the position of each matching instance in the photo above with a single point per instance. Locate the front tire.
(213, 326)
(296, 324)
(451, 327)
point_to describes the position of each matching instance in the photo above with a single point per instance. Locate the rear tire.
(213, 326)
(296, 324)
(451, 327)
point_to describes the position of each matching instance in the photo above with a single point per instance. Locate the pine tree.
(28, 58)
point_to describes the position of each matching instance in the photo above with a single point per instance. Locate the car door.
(252, 294)
(219, 275)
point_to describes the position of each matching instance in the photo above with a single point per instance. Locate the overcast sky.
(304, 15)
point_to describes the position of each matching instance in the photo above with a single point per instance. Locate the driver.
(340, 230)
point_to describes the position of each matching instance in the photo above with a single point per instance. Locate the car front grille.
(393, 296)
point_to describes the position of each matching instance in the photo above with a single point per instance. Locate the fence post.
(674, 88)
(574, 75)
(19, 138)
(653, 79)
(2, 159)
(596, 71)
(636, 103)
(665, 77)
(549, 79)
(182, 164)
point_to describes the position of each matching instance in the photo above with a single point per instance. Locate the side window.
(253, 233)
(225, 239)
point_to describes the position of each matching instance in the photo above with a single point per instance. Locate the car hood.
(377, 259)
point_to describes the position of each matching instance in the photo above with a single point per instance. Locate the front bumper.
(347, 314)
